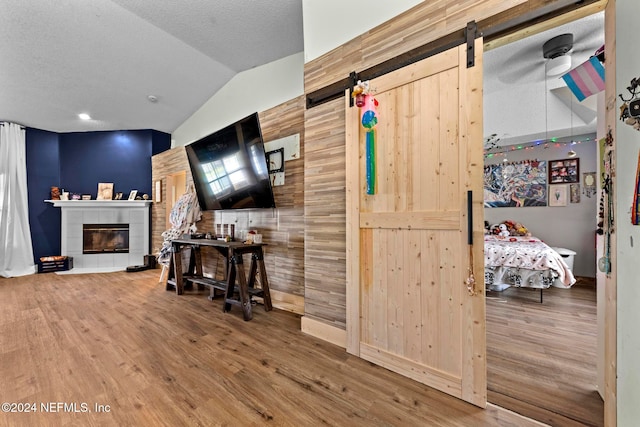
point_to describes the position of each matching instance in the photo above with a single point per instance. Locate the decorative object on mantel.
(518, 184)
(133, 194)
(118, 196)
(105, 191)
(86, 197)
(369, 119)
(630, 108)
(55, 193)
(75, 196)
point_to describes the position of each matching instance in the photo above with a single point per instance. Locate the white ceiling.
(105, 57)
(521, 105)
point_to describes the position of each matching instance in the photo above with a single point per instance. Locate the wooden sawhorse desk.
(234, 272)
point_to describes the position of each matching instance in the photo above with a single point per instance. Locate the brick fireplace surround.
(75, 213)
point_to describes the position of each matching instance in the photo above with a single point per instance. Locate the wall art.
(518, 184)
(564, 171)
(558, 195)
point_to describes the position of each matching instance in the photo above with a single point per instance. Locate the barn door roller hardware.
(336, 89)
(471, 32)
(494, 27)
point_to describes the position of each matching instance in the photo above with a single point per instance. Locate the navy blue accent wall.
(161, 142)
(43, 172)
(120, 157)
(77, 162)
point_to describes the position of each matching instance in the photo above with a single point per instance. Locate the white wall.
(253, 90)
(628, 236)
(331, 23)
(265, 87)
(572, 226)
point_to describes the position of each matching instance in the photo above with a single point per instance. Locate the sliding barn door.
(408, 305)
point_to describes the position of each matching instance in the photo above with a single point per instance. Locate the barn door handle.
(470, 281)
(470, 217)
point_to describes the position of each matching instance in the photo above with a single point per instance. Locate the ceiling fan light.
(558, 65)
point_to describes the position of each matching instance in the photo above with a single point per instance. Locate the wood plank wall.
(325, 214)
(163, 164)
(282, 228)
(325, 255)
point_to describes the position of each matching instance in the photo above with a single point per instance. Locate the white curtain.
(16, 251)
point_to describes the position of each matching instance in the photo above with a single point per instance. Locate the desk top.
(217, 243)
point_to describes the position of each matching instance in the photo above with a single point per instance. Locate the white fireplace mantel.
(75, 213)
(99, 203)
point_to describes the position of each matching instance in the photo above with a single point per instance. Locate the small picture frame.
(105, 191)
(565, 171)
(133, 194)
(558, 195)
(574, 190)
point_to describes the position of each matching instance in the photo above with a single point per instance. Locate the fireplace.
(105, 238)
(104, 214)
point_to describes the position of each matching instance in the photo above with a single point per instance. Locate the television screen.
(229, 168)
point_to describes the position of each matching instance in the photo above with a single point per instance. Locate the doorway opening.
(542, 358)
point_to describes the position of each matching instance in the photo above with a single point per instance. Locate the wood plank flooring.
(542, 357)
(156, 359)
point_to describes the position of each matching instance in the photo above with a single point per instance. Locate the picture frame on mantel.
(105, 191)
(133, 194)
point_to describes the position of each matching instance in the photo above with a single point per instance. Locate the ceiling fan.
(556, 50)
(533, 61)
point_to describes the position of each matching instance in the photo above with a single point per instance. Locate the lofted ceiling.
(106, 57)
(522, 104)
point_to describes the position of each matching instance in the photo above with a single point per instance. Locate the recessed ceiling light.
(84, 116)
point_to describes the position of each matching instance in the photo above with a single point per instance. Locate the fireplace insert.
(105, 238)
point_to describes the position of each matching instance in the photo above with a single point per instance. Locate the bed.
(523, 261)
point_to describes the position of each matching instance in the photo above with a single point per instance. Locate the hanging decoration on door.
(635, 208)
(369, 118)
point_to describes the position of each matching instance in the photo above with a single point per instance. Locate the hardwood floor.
(542, 357)
(153, 358)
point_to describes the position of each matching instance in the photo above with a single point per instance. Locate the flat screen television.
(229, 168)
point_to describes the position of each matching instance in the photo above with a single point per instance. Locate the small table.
(234, 271)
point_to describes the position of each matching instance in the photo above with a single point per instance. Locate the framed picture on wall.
(558, 195)
(564, 171)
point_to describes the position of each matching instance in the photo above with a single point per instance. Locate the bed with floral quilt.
(523, 261)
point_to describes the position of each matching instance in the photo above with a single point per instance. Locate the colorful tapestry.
(519, 184)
